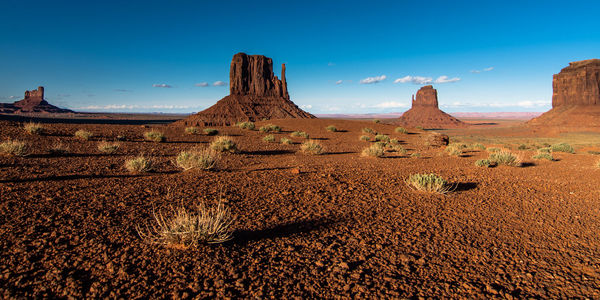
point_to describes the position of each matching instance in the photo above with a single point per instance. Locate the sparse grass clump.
(58, 148)
(365, 138)
(204, 159)
(210, 131)
(224, 144)
(311, 147)
(108, 148)
(493, 150)
(543, 155)
(270, 128)
(192, 130)
(598, 164)
(594, 152)
(139, 164)
(285, 141)
(368, 130)
(483, 163)
(14, 148)
(454, 150)
(299, 134)
(399, 149)
(331, 128)
(544, 150)
(478, 146)
(183, 228)
(33, 128)
(382, 138)
(419, 127)
(154, 136)
(416, 154)
(376, 121)
(269, 138)
(429, 183)
(562, 147)
(401, 130)
(394, 141)
(246, 125)
(505, 157)
(374, 150)
(83, 134)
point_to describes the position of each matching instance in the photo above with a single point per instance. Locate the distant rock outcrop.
(33, 102)
(575, 97)
(425, 112)
(255, 94)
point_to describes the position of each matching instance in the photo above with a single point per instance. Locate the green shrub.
(33, 128)
(376, 121)
(299, 134)
(382, 138)
(204, 159)
(154, 136)
(478, 146)
(311, 147)
(192, 130)
(139, 164)
(429, 183)
(285, 141)
(416, 154)
(210, 131)
(483, 163)
(543, 155)
(270, 128)
(368, 130)
(544, 150)
(373, 151)
(562, 147)
(493, 150)
(246, 125)
(58, 148)
(399, 149)
(381, 144)
(365, 138)
(224, 144)
(419, 127)
(83, 134)
(269, 138)
(14, 148)
(594, 152)
(522, 147)
(401, 130)
(454, 150)
(331, 128)
(108, 148)
(505, 157)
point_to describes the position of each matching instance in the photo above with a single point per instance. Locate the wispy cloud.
(219, 83)
(488, 69)
(162, 85)
(484, 70)
(339, 82)
(475, 71)
(426, 80)
(445, 79)
(307, 106)
(9, 97)
(390, 104)
(371, 80)
(123, 90)
(202, 84)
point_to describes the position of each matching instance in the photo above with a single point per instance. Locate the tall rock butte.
(426, 113)
(255, 93)
(33, 102)
(575, 96)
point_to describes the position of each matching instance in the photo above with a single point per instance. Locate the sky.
(340, 56)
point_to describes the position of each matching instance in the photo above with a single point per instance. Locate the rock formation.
(33, 102)
(575, 96)
(255, 94)
(425, 112)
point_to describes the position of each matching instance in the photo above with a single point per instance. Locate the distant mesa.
(33, 102)
(426, 113)
(575, 96)
(255, 94)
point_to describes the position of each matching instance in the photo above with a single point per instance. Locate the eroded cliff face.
(577, 84)
(425, 112)
(426, 96)
(33, 102)
(253, 75)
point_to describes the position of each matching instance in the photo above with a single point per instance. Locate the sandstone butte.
(426, 113)
(575, 97)
(255, 94)
(33, 102)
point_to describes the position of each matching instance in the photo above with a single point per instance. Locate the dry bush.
(58, 148)
(210, 131)
(14, 148)
(139, 164)
(299, 134)
(484, 163)
(562, 147)
(401, 130)
(598, 164)
(453, 150)
(376, 121)
(416, 154)
(33, 128)
(285, 141)
(246, 125)
(368, 130)
(429, 183)
(365, 138)
(331, 128)
(373, 151)
(180, 227)
(269, 138)
(493, 150)
(382, 138)
(399, 149)
(505, 157)
(224, 144)
(311, 147)
(478, 146)
(205, 159)
(108, 148)
(154, 136)
(543, 155)
(270, 128)
(83, 134)
(192, 130)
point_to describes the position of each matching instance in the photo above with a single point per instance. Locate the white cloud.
(414, 79)
(339, 82)
(161, 85)
(390, 104)
(370, 80)
(475, 71)
(219, 83)
(488, 69)
(202, 84)
(445, 79)
(484, 70)
(307, 106)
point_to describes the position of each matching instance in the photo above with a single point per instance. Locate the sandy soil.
(346, 226)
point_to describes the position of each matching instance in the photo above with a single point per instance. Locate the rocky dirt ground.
(345, 226)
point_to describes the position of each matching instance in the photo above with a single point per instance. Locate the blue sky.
(154, 56)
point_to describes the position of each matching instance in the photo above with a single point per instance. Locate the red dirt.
(343, 226)
(570, 117)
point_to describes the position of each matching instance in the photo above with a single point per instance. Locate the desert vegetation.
(33, 128)
(246, 125)
(484, 163)
(285, 141)
(429, 183)
(331, 128)
(505, 157)
(14, 148)
(382, 138)
(224, 144)
(373, 151)
(139, 164)
(210, 131)
(299, 134)
(311, 147)
(155, 136)
(58, 148)
(203, 159)
(270, 128)
(83, 134)
(192, 130)
(108, 147)
(269, 138)
(401, 130)
(562, 147)
(365, 138)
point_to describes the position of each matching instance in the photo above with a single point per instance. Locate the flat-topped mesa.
(426, 96)
(33, 102)
(253, 75)
(577, 84)
(35, 94)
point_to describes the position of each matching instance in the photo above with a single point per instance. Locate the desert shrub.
(543, 155)
(478, 146)
(382, 138)
(190, 228)
(594, 152)
(192, 130)
(454, 151)
(505, 157)
(401, 130)
(139, 164)
(154, 136)
(376, 121)
(299, 134)
(33, 128)
(269, 138)
(419, 127)
(522, 147)
(365, 138)
(246, 125)
(460, 146)
(381, 144)
(598, 164)
(483, 163)
(205, 159)
(416, 154)
(285, 141)
(58, 148)
(224, 144)
(15, 148)
(428, 183)
(544, 150)
(331, 128)
(562, 147)
(368, 130)
(106, 147)
(399, 149)
(270, 128)
(83, 134)
(311, 147)
(210, 131)
(493, 150)
(373, 151)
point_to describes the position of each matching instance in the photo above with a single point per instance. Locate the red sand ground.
(346, 226)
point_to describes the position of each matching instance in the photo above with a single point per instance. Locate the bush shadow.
(267, 152)
(242, 237)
